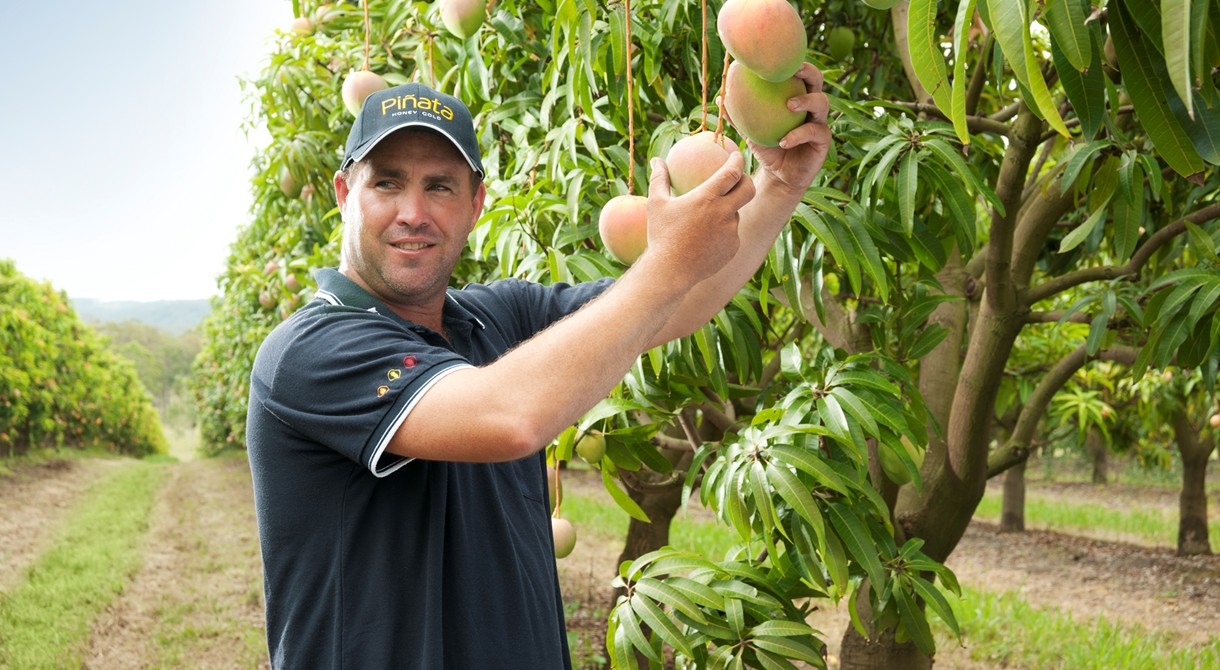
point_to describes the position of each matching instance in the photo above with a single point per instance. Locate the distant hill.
(172, 316)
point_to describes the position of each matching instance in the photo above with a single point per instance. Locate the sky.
(124, 170)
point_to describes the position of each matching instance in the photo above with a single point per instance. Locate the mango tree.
(993, 170)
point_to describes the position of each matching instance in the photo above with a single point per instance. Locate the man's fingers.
(728, 176)
(658, 181)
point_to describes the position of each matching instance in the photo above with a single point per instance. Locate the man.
(396, 426)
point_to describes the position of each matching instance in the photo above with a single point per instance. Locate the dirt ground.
(1127, 583)
(200, 584)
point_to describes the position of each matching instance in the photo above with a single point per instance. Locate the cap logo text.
(414, 103)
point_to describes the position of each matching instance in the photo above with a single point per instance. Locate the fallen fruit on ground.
(766, 36)
(623, 226)
(358, 86)
(758, 108)
(463, 17)
(694, 158)
(564, 534)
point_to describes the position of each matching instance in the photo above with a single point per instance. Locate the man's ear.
(341, 189)
(480, 196)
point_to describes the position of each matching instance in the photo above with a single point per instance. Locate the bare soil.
(1089, 578)
(198, 594)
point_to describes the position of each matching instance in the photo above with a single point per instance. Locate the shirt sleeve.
(350, 381)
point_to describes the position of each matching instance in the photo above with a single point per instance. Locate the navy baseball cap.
(412, 105)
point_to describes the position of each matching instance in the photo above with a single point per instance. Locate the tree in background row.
(60, 386)
(1004, 174)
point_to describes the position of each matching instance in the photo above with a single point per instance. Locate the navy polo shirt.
(375, 561)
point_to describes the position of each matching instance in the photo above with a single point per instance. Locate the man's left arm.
(785, 174)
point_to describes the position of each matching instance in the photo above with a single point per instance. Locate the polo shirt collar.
(336, 288)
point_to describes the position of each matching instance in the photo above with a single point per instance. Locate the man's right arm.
(518, 404)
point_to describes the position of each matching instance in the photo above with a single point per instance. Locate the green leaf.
(961, 45)
(1010, 22)
(1065, 21)
(621, 498)
(1175, 36)
(782, 628)
(651, 614)
(1085, 88)
(858, 541)
(662, 592)
(629, 624)
(857, 409)
(789, 648)
(812, 465)
(926, 58)
(1143, 73)
(792, 492)
(696, 592)
(908, 186)
(914, 621)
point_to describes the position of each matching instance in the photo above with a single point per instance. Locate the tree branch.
(1016, 449)
(1132, 267)
(975, 124)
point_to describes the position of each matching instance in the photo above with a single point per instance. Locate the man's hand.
(802, 152)
(694, 235)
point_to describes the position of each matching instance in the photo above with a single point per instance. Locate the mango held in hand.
(623, 226)
(758, 108)
(694, 158)
(766, 36)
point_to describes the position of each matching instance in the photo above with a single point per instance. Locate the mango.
(358, 86)
(694, 158)
(766, 36)
(623, 226)
(463, 17)
(758, 108)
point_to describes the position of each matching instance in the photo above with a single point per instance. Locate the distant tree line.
(61, 385)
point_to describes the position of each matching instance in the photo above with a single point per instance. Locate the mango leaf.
(621, 498)
(914, 620)
(1065, 21)
(793, 493)
(1010, 23)
(651, 614)
(1202, 243)
(786, 647)
(665, 594)
(908, 186)
(633, 633)
(1175, 37)
(1085, 88)
(926, 58)
(1139, 65)
(961, 45)
(859, 543)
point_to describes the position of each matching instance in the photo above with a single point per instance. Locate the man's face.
(407, 208)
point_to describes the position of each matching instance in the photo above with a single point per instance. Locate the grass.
(1145, 525)
(44, 622)
(1002, 630)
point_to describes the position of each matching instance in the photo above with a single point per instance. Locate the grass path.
(197, 600)
(117, 563)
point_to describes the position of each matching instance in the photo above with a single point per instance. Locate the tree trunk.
(1098, 453)
(660, 505)
(1012, 509)
(882, 652)
(1192, 502)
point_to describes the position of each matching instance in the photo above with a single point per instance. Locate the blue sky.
(124, 171)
